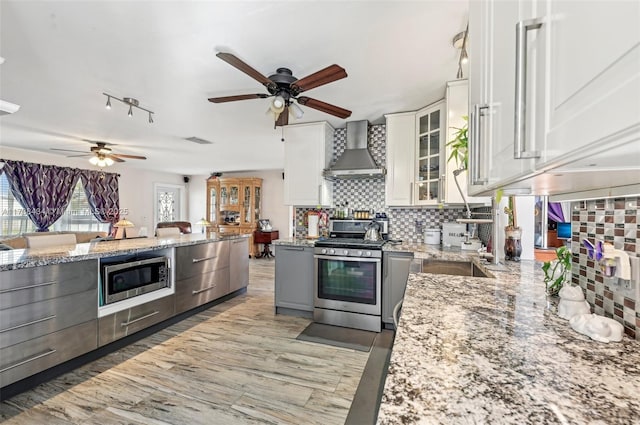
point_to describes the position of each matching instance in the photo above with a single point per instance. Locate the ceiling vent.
(198, 140)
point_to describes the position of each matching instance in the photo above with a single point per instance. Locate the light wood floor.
(236, 363)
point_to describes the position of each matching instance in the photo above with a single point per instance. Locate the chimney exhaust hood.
(356, 161)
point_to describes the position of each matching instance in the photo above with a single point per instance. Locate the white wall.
(136, 186)
(273, 206)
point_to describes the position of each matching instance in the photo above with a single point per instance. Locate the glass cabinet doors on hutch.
(233, 205)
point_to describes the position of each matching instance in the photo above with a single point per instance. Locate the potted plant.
(460, 146)
(557, 272)
(513, 233)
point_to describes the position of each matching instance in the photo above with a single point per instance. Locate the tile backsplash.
(367, 194)
(615, 221)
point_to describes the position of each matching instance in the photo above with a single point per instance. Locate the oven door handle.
(360, 259)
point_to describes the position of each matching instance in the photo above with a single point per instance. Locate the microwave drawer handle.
(37, 285)
(146, 316)
(208, 288)
(199, 260)
(44, 319)
(30, 359)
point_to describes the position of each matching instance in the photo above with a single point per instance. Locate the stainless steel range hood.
(356, 161)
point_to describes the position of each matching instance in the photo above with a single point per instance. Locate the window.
(77, 217)
(13, 217)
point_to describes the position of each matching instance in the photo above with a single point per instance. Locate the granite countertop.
(23, 258)
(294, 242)
(477, 350)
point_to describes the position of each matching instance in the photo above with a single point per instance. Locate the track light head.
(133, 103)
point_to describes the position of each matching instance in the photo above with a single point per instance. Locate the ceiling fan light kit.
(133, 103)
(101, 155)
(285, 88)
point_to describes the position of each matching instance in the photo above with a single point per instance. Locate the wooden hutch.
(233, 206)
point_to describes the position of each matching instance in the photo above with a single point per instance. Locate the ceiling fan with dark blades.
(285, 88)
(102, 154)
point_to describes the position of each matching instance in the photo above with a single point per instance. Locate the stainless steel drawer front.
(26, 286)
(197, 259)
(35, 355)
(198, 290)
(29, 321)
(132, 320)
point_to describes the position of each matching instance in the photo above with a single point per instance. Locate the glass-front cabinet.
(233, 206)
(429, 126)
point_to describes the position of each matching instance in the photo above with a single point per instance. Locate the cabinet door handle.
(37, 285)
(441, 188)
(208, 288)
(520, 123)
(411, 197)
(199, 260)
(396, 313)
(474, 146)
(146, 316)
(320, 194)
(30, 359)
(44, 319)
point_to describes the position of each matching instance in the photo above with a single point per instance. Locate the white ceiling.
(60, 56)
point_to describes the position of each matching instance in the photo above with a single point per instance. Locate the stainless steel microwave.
(132, 277)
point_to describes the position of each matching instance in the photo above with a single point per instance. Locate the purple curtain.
(555, 212)
(43, 190)
(102, 193)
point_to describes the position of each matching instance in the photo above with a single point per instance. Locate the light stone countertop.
(493, 351)
(294, 242)
(23, 258)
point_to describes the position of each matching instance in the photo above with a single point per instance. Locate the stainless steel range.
(348, 276)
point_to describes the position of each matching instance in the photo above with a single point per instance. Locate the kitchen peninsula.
(55, 305)
(482, 350)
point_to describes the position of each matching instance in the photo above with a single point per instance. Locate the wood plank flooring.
(235, 363)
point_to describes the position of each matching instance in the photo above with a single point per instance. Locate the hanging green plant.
(556, 276)
(460, 146)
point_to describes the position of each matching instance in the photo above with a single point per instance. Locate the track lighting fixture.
(460, 42)
(131, 102)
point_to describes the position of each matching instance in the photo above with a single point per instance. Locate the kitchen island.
(60, 308)
(481, 350)
(23, 258)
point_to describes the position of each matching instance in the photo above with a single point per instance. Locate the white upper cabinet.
(401, 136)
(593, 87)
(418, 172)
(457, 98)
(554, 95)
(307, 152)
(430, 161)
(494, 154)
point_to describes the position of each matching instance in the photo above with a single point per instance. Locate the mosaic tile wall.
(369, 194)
(362, 194)
(616, 221)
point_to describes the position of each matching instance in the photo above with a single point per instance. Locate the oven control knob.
(368, 254)
(324, 251)
(359, 253)
(345, 252)
(332, 251)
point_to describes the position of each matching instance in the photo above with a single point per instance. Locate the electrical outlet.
(630, 288)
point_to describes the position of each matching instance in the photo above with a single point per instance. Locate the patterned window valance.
(45, 191)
